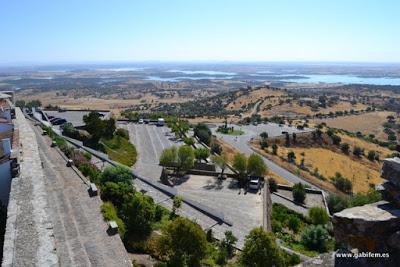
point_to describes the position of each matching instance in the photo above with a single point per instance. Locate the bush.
(123, 133)
(342, 183)
(110, 214)
(260, 249)
(315, 238)
(336, 140)
(183, 243)
(273, 186)
(357, 151)
(216, 148)
(371, 155)
(189, 141)
(345, 148)
(336, 203)
(318, 215)
(116, 174)
(299, 193)
(276, 226)
(294, 223)
(203, 133)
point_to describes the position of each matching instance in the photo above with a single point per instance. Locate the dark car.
(59, 121)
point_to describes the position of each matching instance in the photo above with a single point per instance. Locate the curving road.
(242, 144)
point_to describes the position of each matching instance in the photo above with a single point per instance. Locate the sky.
(73, 31)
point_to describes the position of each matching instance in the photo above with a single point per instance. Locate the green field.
(121, 150)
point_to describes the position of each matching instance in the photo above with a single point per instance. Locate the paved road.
(79, 229)
(150, 141)
(241, 143)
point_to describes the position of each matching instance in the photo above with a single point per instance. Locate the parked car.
(141, 121)
(255, 183)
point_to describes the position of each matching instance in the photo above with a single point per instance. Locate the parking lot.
(150, 141)
(243, 209)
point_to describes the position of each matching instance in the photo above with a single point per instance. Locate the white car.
(254, 184)
(141, 121)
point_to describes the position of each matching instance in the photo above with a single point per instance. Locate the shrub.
(291, 156)
(345, 148)
(299, 193)
(276, 226)
(273, 186)
(357, 151)
(203, 133)
(336, 140)
(110, 214)
(336, 203)
(260, 249)
(183, 243)
(318, 215)
(116, 174)
(274, 149)
(342, 183)
(315, 238)
(123, 133)
(216, 148)
(189, 141)
(294, 223)
(371, 155)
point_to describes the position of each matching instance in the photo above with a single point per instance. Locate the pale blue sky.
(183, 30)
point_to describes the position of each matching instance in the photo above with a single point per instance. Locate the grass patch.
(110, 214)
(120, 149)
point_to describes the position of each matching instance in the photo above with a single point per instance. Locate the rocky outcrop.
(374, 228)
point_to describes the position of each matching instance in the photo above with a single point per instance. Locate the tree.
(294, 224)
(138, 214)
(203, 133)
(256, 166)
(117, 193)
(189, 141)
(169, 157)
(201, 154)
(336, 203)
(357, 151)
(291, 156)
(342, 183)
(274, 149)
(94, 125)
(294, 137)
(318, 215)
(273, 186)
(183, 243)
(345, 148)
(229, 242)
(315, 237)
(240, 165)
(221, 161)
(260, 250)
(116, 174)
(264, 135)
(176, 204)
(299, 193)
(336, 139)
(371, 155)
(185, 158)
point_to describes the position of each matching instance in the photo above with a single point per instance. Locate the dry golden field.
(328, 159)
(254, 96)
(295, 108)
(366, 123)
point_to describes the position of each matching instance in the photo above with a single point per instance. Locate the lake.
(344, 79)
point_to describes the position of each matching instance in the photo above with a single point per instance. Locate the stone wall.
(29, 238)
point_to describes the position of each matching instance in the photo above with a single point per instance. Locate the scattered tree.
(256, 166)
(299, 193)
(318, 215)
(261, 250)
(183, 243)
